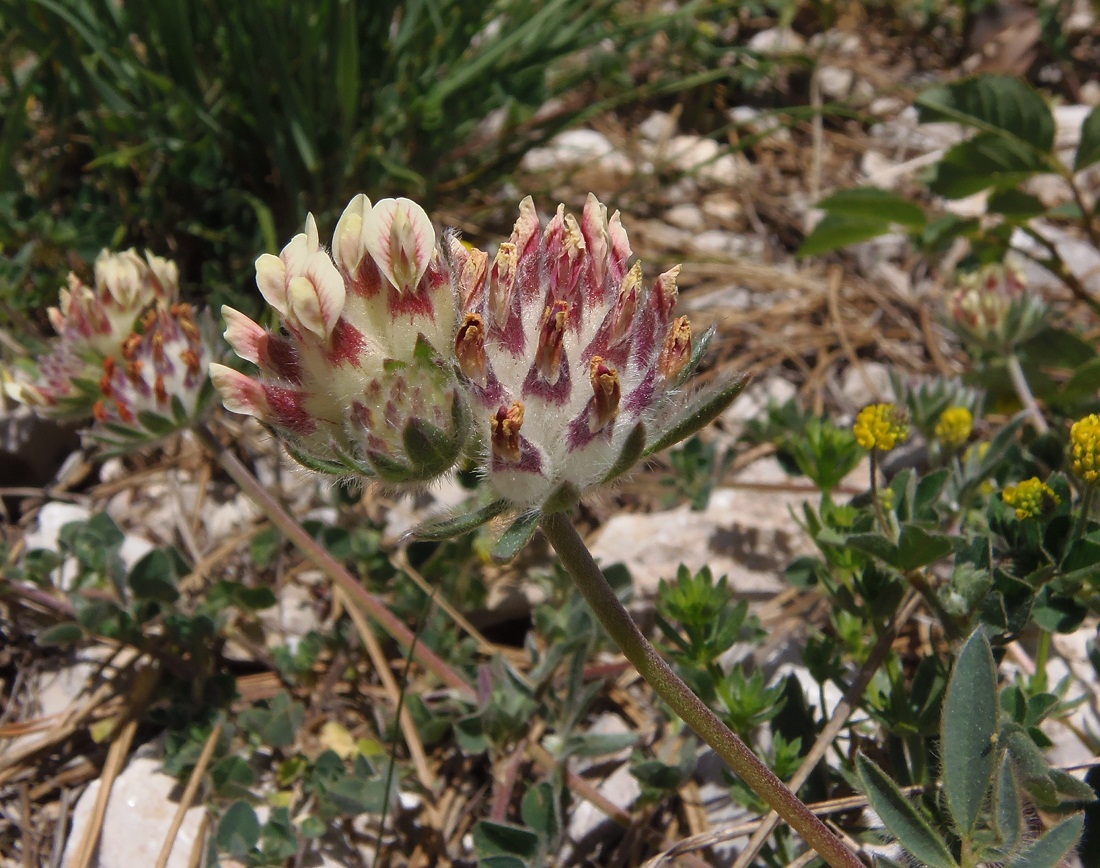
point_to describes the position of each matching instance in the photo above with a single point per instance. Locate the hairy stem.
(1024, 393)
(579, 563)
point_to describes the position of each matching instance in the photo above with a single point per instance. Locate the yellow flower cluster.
(954, 427)
(1085, 439)
(1031, 497)
(881, 427)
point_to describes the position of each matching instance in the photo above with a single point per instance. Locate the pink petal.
(525, 233)
(620, 247)
(594, 229)
(400, 239)
(242, 334)
(240, 394)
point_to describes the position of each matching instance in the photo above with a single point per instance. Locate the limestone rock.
(139, 813)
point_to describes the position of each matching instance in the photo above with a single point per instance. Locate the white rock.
(1081, 19)
(836, 82)
(704, 158)
(139, 813)
(293, 617)
(744, 534)
(721, 208)
(573, 148)
(856, 388)
(133, 549)
(969, 206)
(1090, 93)
(776, 40)
(773, 391)
(725, 299)
(686, 216)
(408, 512)
(51, 518)
(837, 42)
(758, 122)
(1082, 259)
(905, 133)
(879, 170)
(658, 127)
(229, 518)
(622, 789)
(886, 105)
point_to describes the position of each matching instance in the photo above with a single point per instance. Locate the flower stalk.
(592, 584)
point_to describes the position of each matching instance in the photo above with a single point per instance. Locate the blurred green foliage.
(205, 130)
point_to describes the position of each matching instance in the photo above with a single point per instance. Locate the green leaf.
(540, 811)
(232, 776)
(985, 161)
(902, 818)
(431, 449)
(238, 831)
(465, 518)
(633, 449)
(970, 714)
(1015, 203)
(835, 231)
(1088, 151)
(154, 578)
(156, 424)
(918, 547)
(703, 409)
(516, 536)
(503, 839)
(60, 634)
(1049, 850)
(993, 103)
(873, 203)
(1008, 813)
(1082, 384)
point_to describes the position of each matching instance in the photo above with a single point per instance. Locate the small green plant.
(990, 768)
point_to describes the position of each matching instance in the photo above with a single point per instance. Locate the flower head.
(993, 308)
(881, 427)
(1030, 498)
(157, 383)
(1085, 443)
(954, 427)
(91, 323)
(567, 355)
(356, 379)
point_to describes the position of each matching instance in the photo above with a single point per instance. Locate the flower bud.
(993, 309)
(1031, 498)
(158, 382)
(1085, 444)
(91, 322)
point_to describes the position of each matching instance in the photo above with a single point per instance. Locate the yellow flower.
(1085, 438)
(954, 427)
(1031, 497)
(881, 427)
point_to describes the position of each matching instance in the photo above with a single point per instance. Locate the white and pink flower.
(357, 377)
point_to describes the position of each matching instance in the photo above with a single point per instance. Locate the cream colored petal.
(347, 244)
(400, 238)
(271, 279)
